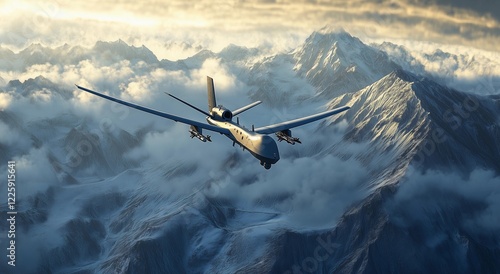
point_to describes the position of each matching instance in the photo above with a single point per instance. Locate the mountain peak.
(430, 125)
(35, 46)
(337, 63)
(106, 44)
(38, 81)
(236, 53)
(329, 29)
(36, 49)
(332, 37)
(114, 51)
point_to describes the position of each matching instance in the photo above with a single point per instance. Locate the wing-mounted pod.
(197, 132)
(286, 135)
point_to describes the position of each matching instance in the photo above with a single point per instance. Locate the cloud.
(36, 105)
(174, 145)
(311, 195)
(223, 78)
(281, 25)
(8, 136)
(475, 201)
(34, 173)
(463, 68)
(138, 89)
(314, 193)
(5, 100)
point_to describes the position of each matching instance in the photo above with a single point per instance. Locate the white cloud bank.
(214, 24)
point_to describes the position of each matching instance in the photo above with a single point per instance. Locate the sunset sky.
(165, 25)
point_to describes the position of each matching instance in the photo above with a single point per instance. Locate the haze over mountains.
(274, 24)
(407, 180)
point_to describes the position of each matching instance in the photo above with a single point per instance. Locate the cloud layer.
(472, 202)
(465, 69)
(308, 189)
(214, 24)
(165, 144)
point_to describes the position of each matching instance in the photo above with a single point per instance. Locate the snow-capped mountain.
(405, 181)
(334, 63)
(337, 63)
(419, 120)
(104, 53)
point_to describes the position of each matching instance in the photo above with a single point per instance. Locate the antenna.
(238, 120)
(253, 127)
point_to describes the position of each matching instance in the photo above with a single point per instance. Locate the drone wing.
(159, 113)
(299, 122)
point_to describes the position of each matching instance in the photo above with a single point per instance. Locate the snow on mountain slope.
(389, 117)
(333, 63)
(111, 191)
(418, 121)
(102, 52)
(273, 81)
(337, 63)
(387, 234)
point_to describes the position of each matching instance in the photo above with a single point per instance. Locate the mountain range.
(406, 181)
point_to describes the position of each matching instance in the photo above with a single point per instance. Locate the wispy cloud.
(473, 201)
(214, 24)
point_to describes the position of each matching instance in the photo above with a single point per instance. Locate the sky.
(176, 29)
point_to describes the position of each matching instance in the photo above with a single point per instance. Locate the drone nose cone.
(269, 149)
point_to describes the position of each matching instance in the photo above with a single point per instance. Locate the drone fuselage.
(261, 146)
